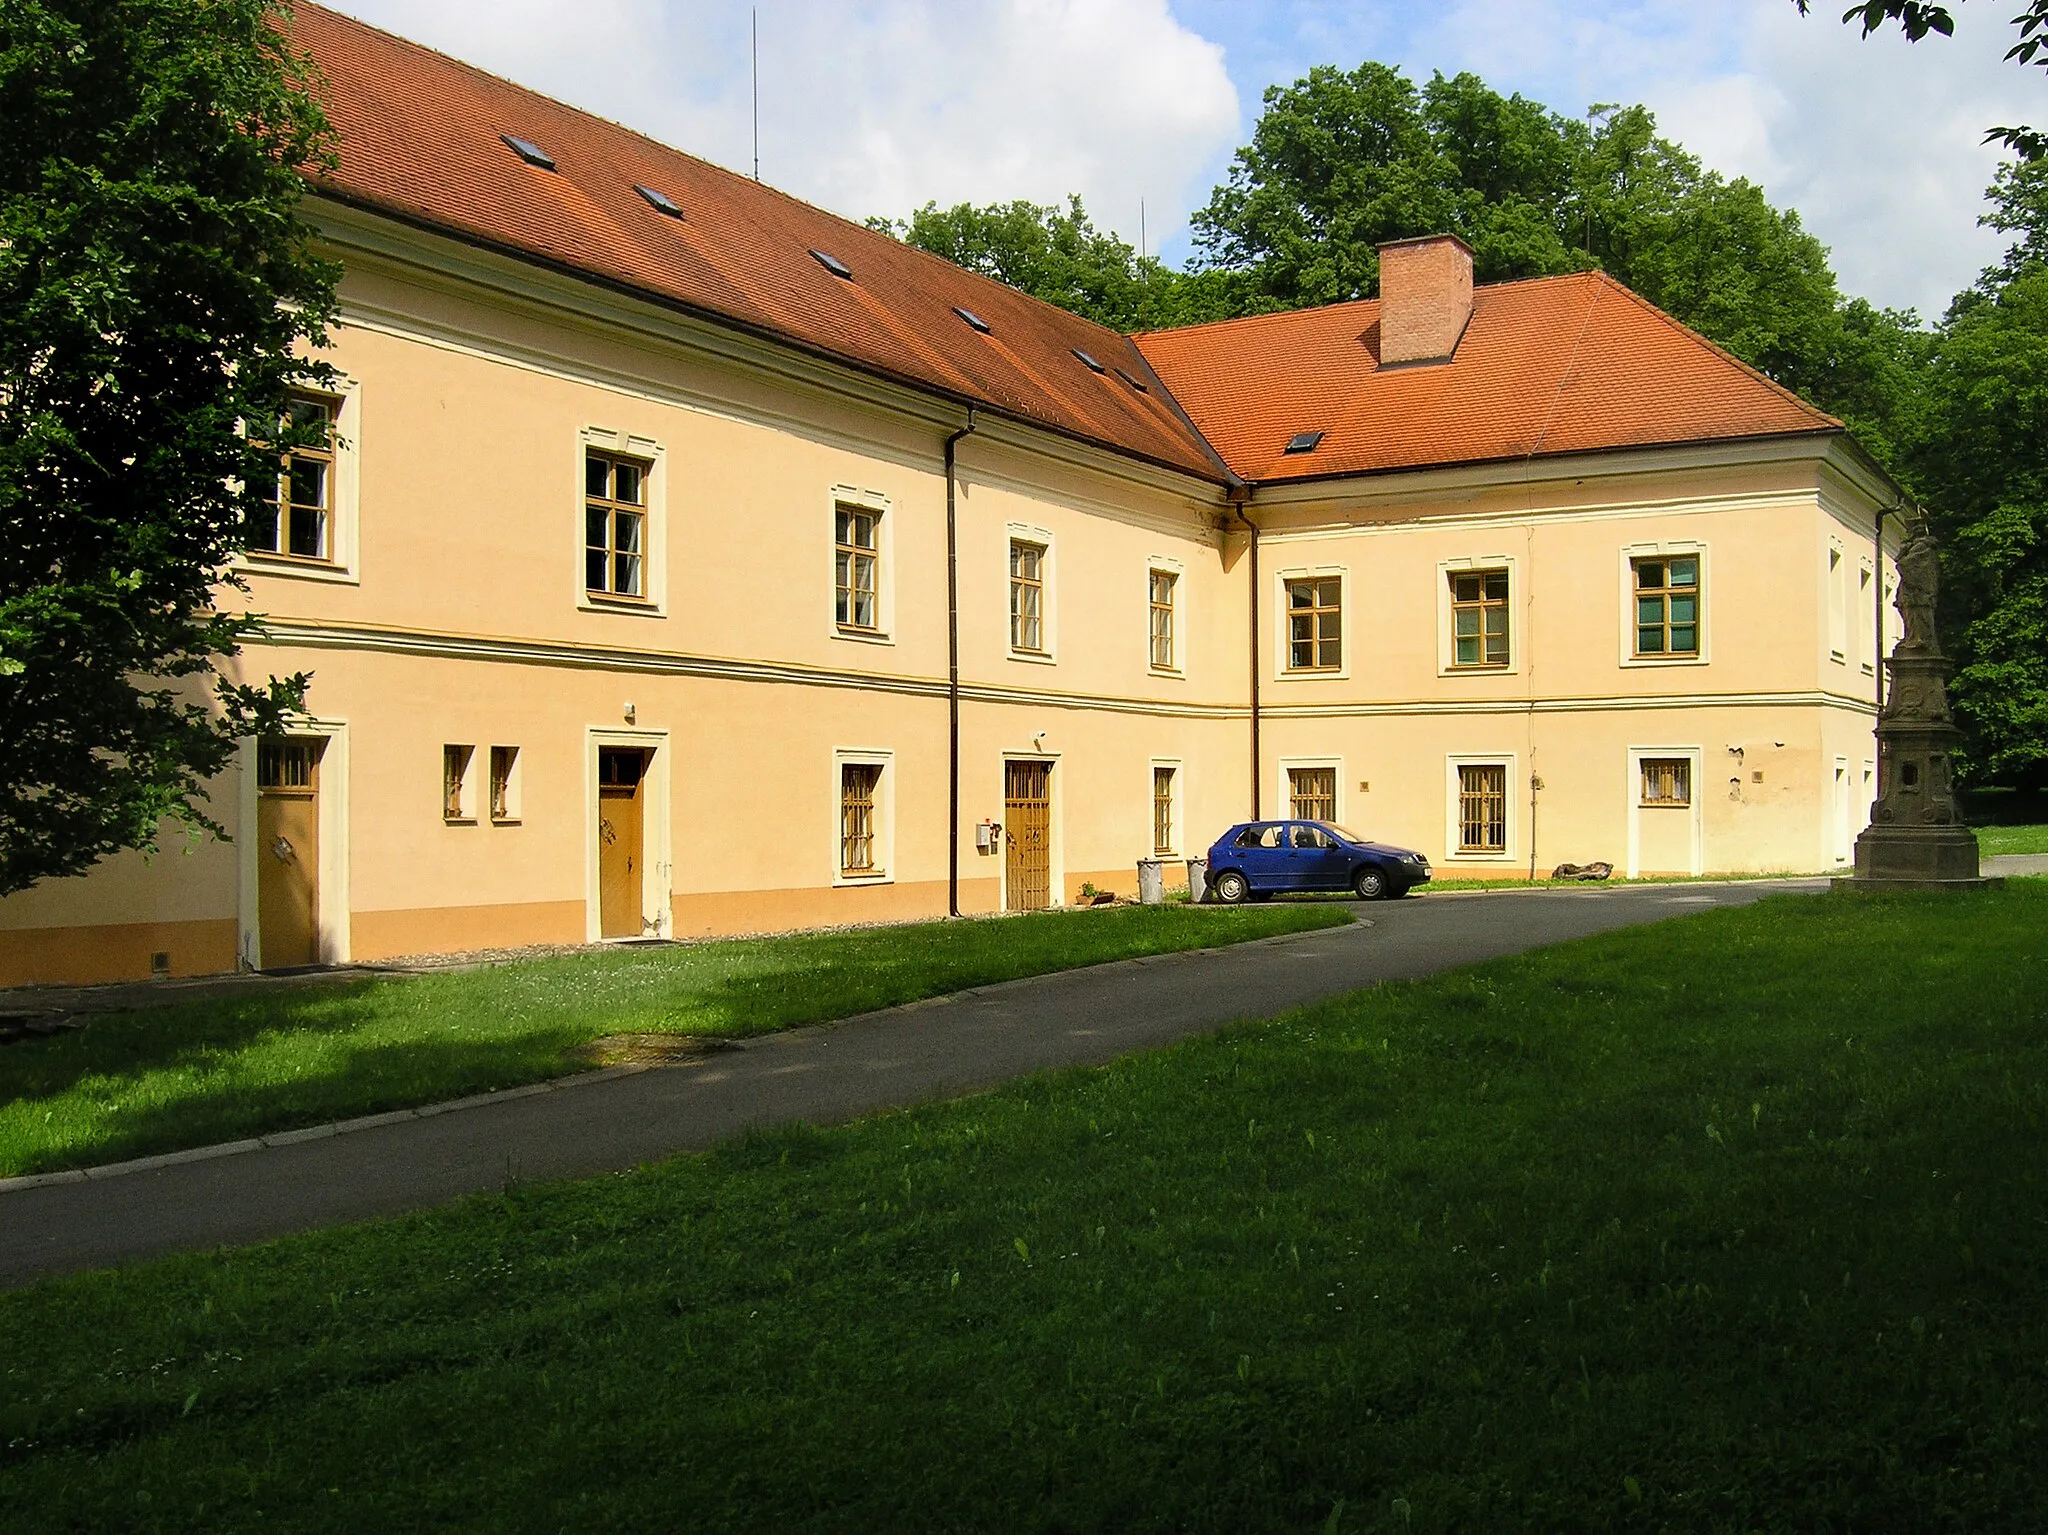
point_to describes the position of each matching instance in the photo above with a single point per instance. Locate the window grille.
(1483, 808)
(857, 784)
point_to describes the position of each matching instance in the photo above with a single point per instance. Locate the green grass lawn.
(2012, 839)
(197, 1073)
(1735, 1223)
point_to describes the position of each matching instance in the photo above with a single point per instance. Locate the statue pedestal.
(1917, 839)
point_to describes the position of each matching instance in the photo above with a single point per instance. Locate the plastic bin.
(1198, 880)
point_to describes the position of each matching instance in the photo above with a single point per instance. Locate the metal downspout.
(1244, 512)
(953, 677)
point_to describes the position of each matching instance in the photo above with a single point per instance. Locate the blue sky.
(885, 105)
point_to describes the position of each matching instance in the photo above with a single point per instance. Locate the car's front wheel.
(1229, 887)
(1369, 883)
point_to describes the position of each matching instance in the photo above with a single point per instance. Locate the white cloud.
(879, 108)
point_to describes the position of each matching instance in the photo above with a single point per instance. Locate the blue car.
(1259, 858)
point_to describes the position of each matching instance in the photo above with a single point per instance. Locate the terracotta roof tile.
(1551, 365)
(420, 137)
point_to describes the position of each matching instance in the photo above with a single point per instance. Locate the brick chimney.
(1425, 298)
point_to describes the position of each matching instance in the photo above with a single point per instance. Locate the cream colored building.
(625, 588)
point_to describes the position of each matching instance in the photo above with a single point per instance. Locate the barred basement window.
(1668, 606)
(857, 784)
(1483, 808)
(1312, 793)
(504, 791)
(1479, 618)
(614, 526)
(1315, 624)
(1667, 781)
(455, 762)
(856, 569)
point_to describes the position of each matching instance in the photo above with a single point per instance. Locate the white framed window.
(1166, 626)
(1033, 632)
(1663, 603)
(863, 566)
(1314, 639)
(310, 526)
(1477, 624)
(1167, 776)
(1865, 621)
(1480, 820)
(621, 523)
(863, 816)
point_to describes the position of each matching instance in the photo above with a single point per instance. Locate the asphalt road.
(828, 1074)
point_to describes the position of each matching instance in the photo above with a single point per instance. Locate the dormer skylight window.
(1088, 362)
(833, 265)
(973, 319)
(529, 151)
(1303, 442)
(1135, 383)
(661, 202)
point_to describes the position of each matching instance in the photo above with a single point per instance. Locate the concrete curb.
(311, 1132)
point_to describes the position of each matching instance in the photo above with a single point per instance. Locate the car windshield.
(1340, 833)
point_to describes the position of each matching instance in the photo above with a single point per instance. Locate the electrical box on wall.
(987, 836)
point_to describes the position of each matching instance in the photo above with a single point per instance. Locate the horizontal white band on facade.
(460, 647)
(1586, 705)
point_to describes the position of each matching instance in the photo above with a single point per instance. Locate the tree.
(1982, 463)
(157, 292)
(1918, 18)
(1060, 256)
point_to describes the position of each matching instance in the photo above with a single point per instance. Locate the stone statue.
(1919, 585)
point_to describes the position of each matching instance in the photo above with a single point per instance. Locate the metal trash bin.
(1198, 880)
(1151, 882)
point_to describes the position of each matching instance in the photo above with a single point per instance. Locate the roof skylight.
(972, 319)
(833, 265)
(1088, 362)
(1135, 382)
(1303, 442)
(661, 202)
(529, 151)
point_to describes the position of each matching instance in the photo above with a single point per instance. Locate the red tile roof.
(1551, 365)
(1554, 365)
(420, 138)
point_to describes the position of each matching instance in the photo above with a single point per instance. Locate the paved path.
(832, 1073)
(2016, 863)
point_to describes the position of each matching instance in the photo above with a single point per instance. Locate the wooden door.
(288, 852)
(621, 774)
(1027, 835)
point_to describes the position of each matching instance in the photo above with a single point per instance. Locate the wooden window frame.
(1673, 773)
(1166, 816)
(860, 785)
(1663, 593)
(1309, 807)
(1021, 586)
(847, 557)
(613, 509)
(458, 762)
(1483, 796)
(1481, 604)
(1315, 612)
(503, 805)
(1162, 639)
(283, 506)
(880, 816)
